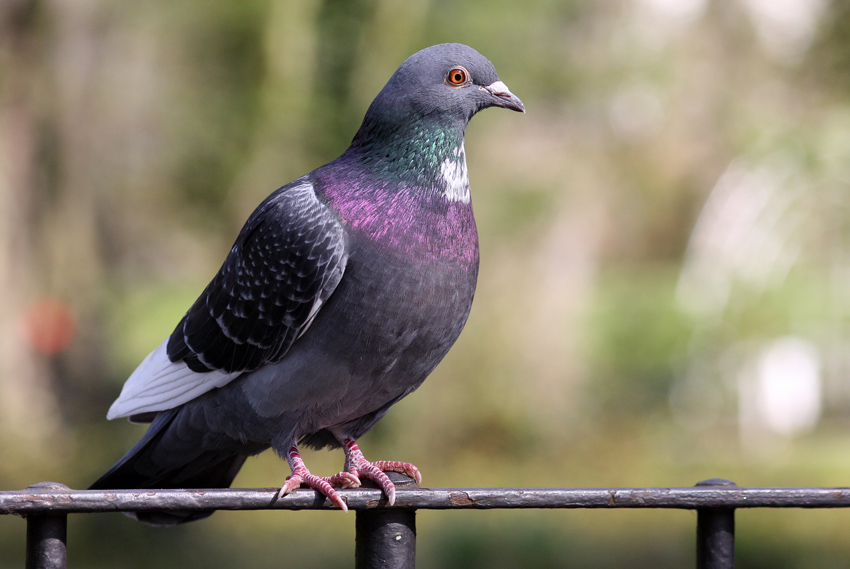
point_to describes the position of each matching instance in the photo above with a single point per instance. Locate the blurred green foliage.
(665, 228)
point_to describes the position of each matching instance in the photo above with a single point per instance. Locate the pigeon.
(342, 292)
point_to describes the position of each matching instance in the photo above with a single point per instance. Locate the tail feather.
(140, 468)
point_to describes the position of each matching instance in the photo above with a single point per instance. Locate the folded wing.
(285, 264)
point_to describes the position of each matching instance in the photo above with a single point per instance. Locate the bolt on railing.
(386, 536)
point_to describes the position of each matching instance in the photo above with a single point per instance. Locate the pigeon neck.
(429, 157)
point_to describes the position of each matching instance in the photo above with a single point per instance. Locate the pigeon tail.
(139, 469)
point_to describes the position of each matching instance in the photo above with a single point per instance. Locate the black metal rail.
(386, 536)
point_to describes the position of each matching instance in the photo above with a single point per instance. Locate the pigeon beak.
(503, 97)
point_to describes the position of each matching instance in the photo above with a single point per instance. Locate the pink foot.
(357, 465)
(302, 477)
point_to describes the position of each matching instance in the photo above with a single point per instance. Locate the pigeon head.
(440, 87)
(451, 80)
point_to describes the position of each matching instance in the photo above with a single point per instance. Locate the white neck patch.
(453, 170)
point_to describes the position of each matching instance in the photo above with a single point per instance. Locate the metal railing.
(386, 536)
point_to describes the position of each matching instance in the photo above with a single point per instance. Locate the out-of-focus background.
(664, 293)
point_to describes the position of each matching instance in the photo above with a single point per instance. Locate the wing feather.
(285, 263)
(159, 384)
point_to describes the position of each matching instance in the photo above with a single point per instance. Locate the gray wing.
(285, 263)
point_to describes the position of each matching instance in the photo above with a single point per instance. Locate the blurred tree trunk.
(325, 62)
(50, 172)
(340, 26)
(27, 405)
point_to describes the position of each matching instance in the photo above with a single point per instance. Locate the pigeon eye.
(457, 76)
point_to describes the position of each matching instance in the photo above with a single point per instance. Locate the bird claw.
(320, 483)
(344, 479)
(376, 472)
(409, 470)
(292, 482)
(325, 485)
(357, 465)
(372, 472)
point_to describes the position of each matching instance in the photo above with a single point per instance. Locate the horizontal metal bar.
(33, 500)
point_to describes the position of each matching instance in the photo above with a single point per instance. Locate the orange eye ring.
(457, 76)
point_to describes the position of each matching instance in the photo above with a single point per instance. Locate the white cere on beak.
(499, 89)
(507, 99)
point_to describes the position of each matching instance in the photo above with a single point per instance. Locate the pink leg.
(301, 476)
(357, 465)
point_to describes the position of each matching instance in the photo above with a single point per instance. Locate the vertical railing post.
(385, 538)
(46, 541)
(715, 533)
(47, 535)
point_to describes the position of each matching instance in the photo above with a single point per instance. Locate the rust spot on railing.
(460, 499)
